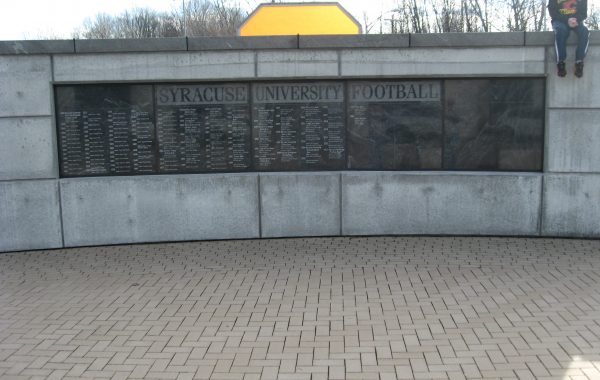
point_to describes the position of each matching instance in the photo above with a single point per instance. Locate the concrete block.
(300, 204)
(242, 43)
(25, 85)
(154, 66)
(573, 141)
(571, 205)
(29, 215)
(547, 38)
(37, 47)
(358, 41)
(27, 148)
(571, 92)
(539, 38)
(287, 64)
(382, 203)
(114, 210)
(444, 62)
(467, 39)
(130, 45)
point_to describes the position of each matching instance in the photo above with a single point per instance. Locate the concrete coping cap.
(374, 41)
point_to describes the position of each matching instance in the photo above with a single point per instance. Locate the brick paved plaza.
(323, 308)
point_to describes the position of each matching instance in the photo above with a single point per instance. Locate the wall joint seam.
(541, 208)
(341, 200)
(26, 117)
(255, 64)
(60, 210)
(28, 179)
(573, 108)
(260, 232)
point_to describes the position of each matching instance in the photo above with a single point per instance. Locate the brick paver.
(323, 308)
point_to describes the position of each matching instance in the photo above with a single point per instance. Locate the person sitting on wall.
(568, 15)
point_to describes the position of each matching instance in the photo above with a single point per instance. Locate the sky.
(34, 19)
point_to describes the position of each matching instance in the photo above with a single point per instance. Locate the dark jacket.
(563, 10)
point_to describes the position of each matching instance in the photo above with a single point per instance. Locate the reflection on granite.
(494, 124)
(407, 136)
(457, 124)
(104, 97)
(396, 132)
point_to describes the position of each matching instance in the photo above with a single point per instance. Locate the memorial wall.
(182, 139)
(494, 124)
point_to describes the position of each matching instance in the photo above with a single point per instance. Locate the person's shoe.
(579, 69)
(562, 70)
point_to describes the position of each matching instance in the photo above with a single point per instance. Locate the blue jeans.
(561, 32)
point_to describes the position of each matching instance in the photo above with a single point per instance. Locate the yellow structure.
(280, 19)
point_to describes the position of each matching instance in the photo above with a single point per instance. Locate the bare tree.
(102, 26)
(539, 16)
(209, 18)
(593, 20)
(526, 15)
(368, 25)
(440, 16)
(411, 16)
(170, 26)
(419, 16)
(221, 18)
(481, 10)
(517, 15)
(400, 18)
(227, 19)
(199, 18)
(447, 17)
(469, 18)
(139, 23)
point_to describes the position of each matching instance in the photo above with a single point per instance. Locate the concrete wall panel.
(572, 92)
(467, 39)
(571, 205)
(27, 148)
(443, 61)
(112, 210)
(300, 204)
(428, 203)
(574, 141)
(242, 43)
(37, 47)
(355, 41)
(29, 215)
(131, 45)
(154, 66)
(25, 85)
(160, 208)
(294, 64)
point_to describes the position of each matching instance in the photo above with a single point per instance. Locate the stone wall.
(39, 210)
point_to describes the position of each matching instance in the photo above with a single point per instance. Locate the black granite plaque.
(458, 124)
(494, 124)
(298, 126)
(203, 128)
(395, 125)
(106, 130)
